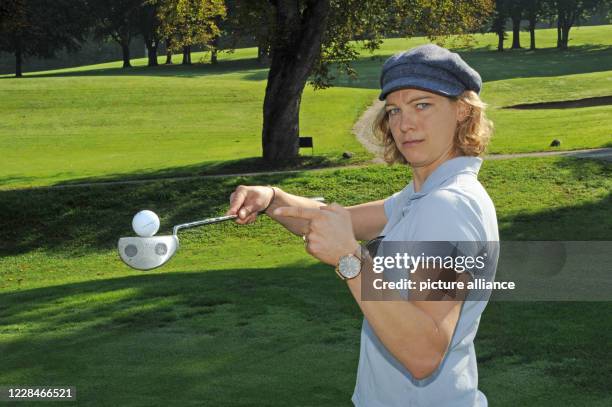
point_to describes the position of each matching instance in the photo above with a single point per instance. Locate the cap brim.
(431, 85)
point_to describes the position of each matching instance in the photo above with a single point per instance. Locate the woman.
(413, 353)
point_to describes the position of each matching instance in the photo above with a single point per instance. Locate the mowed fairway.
(242, 316)
(71, 127)
(102, 122)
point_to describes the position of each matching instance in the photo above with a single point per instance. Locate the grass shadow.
(179, 337)
(184, 71)
(235, 167)
(92, 218)
(493, 65)
(565, 104)
(561, 223)
(224, 167)
(86, 219)
(260, 335)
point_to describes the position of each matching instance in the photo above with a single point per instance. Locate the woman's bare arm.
(294, 225)
(368, 219)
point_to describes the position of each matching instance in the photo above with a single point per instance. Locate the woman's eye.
(422, 106)
(393, 112)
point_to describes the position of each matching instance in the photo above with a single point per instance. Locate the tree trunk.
(559, 42)
(532, 43)
(187, 55)
(152, 53)
(516, 31)
(296, 47)
(281, 130)
(565, 21)
(168, 53)
(214, 50)
(125, 49)
(18, 62)
(565, 36)
(500, 42)
(570, 18)
(262, 54)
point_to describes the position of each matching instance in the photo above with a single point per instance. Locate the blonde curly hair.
(472, 135)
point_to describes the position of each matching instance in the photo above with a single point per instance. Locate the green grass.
(101, 122)
(73, 127)
(243, 316)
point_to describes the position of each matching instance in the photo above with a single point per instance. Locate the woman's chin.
(415, 160)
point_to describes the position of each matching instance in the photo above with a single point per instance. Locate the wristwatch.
(349, 266)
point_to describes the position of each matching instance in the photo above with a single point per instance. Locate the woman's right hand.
(247, 201)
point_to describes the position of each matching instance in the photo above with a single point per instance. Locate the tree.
(186, 23)
(515, 9)
(148, 23)
(568, 13)
(214, 43)
(535, 10)
(41, 28)
(168, 52)
(443, 18)
(310, 35)
(251, 20)
(117, 19)
(498, 24)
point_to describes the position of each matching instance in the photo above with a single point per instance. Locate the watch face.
(349, 266)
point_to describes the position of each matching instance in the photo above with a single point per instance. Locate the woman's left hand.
(330, 231)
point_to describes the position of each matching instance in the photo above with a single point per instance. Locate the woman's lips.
(411, 143)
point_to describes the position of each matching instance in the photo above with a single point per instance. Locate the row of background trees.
(566, 13)
(301, 39)
(42, 27)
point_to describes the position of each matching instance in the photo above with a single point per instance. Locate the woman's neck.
(421, 173)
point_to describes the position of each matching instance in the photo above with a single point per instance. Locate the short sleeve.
(456, 223)
(448, 216)
(390, 204)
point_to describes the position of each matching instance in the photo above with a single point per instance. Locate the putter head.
(146, 253)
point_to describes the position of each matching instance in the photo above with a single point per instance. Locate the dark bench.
(306, 142)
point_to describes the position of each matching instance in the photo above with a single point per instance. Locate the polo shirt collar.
(446, 170)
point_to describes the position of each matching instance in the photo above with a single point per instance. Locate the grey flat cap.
(428, 67)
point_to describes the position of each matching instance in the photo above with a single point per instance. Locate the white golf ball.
(145, 223)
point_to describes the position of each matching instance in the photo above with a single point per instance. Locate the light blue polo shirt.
(451, 206)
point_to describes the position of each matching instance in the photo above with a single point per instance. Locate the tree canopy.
(189, 22)
(311, 36)
(41, 27)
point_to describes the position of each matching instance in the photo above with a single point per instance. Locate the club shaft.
(218, 219)
(202, 222)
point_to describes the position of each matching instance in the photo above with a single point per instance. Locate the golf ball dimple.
(145, 223)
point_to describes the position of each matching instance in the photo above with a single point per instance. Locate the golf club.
(147, 253)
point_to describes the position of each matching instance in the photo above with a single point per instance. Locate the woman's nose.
(407, 122)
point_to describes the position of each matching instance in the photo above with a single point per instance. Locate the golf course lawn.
(242, 316)
(103, 122)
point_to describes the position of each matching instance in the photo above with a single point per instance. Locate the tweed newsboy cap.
(428, 67)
